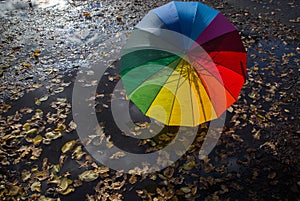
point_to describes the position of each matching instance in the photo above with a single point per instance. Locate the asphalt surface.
(45, 46)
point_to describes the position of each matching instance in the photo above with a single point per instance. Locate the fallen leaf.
(27, 65)
(37, 140)
(64, 183)
(88, 176)
(67, 191)
(86, 14)
(117, 155)
(31, 131)
(68, 146)
(44, 98)
(36, 186)
(185, 189)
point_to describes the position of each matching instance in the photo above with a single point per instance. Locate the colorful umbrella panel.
(184, 64)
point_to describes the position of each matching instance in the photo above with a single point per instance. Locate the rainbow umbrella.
(184, 64)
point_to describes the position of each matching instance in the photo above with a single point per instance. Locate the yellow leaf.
(27, 65)
(68, 191)
(36, 53)
(55, 169)
(88, 176)
(31, 131)
(61, 127)
(68, 146)
(37, 140)
(63, 185)
(43, 198)
(26, 126)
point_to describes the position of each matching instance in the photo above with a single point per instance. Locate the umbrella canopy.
(184, 64)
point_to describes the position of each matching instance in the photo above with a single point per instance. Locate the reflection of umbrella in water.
(184, 64)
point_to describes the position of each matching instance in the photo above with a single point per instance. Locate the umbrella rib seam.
(202, 106)
(214, 109)
(220, 63)
(219, 80)
(146, 63)
(224, 65)
(151, 75)
(222, 35)
(157, 93)
(190, 84)
(173, 102)
(221, 84)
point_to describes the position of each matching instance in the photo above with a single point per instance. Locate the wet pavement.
(43, 47)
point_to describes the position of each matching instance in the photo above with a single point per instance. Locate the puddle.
(26, 4)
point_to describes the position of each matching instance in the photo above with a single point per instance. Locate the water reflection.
(25, 4)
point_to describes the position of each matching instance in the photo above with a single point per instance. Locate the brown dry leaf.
(237, 138)
(102, 169)
(132, 179)
(78, 153)
(257, 135)
(25, 150)
(4, 107)
(224, 188)
(205, 159)
(272, 175)
(209, 167)
(35, 153)
(86, 14)
(116, 185)
(26, 175)
(14, 190)
(168, 172)
(194, 190)
(189, 165)
(119, 18)
(270, 144)
(116, 197)
(72, 125)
